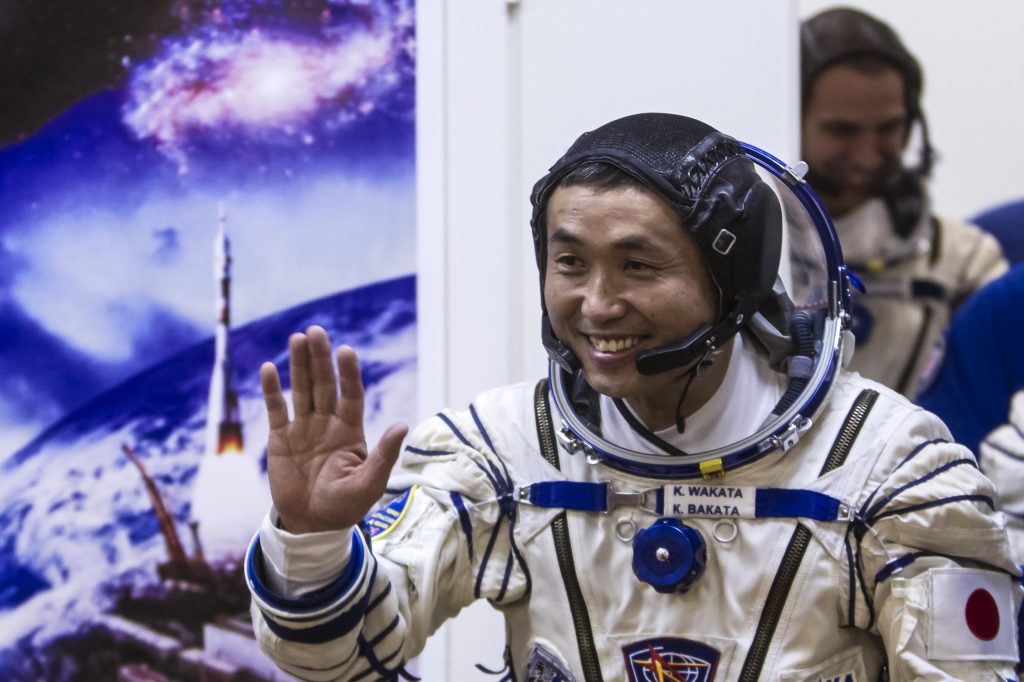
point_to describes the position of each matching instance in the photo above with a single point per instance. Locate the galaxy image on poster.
(184, 183)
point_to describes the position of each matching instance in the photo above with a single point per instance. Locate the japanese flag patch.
(972, 616)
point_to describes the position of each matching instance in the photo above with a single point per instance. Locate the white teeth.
(614, 345)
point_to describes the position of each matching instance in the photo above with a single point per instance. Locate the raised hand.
(321, 475)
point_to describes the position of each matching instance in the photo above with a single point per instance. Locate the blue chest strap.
(689, 500)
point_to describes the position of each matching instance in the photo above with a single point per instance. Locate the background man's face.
(623, 276)
(854, 128)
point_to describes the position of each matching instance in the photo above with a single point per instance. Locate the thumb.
(383, 458)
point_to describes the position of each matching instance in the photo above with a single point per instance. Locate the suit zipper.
(563, 548)
(798, 543)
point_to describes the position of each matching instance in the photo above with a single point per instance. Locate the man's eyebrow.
(630, 243)
(563, 236)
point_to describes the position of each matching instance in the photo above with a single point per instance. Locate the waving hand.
(322, 476)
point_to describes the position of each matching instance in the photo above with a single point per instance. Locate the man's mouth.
(613, 345)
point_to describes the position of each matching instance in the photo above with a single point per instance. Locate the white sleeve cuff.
(295, 565)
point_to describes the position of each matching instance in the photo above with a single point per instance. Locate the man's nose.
(602, 299)
(869, 154)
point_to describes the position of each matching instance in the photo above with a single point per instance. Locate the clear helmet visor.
(800, 331)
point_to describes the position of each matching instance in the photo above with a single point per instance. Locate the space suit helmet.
(732, 215)
(770, 249)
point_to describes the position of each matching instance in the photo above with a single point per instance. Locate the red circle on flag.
(982, 615)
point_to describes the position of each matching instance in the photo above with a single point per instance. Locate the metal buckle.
(571, 443)
(619, 498)
(791, 436)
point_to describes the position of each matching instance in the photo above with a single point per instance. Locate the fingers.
(324, 383)
(298, 368)
(277, 406)
(383, 458)
(350, 409)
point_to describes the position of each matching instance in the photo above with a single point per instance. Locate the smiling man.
(861, 100)
(713, 497)
(618, 262)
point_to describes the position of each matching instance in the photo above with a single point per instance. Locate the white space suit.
(920, 579)
(807, 525)
(1000, 456)
(914, 284)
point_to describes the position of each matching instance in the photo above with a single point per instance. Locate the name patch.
(710, 501)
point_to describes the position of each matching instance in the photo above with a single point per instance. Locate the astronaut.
(861, 100)
(698, 491)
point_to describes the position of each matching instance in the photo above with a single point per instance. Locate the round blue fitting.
(669, 555)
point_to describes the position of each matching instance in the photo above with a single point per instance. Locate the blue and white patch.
(670, 659)
(384, 520)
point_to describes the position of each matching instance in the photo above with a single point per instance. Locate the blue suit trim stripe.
(464, 521)
(382, 635)
(486, 557)
(487, 439)
(999, 448)
(377, 665)
(937, 503)
(451, 425)
(429, 453)
(310, 606)
(505, 578)
(893, 566)
(324, 632)
(873, 512)
(483, 431)
(376, 601)
(913, 453)
(851, 606)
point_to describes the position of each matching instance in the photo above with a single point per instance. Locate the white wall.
(973, 61)
(504, 89)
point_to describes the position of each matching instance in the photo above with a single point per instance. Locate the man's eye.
(841, 130)
(893, 128)
(567, 261)
(636, 265)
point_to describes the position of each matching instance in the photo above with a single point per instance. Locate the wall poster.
(184, 183)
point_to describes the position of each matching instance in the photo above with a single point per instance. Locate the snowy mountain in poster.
(75, 519)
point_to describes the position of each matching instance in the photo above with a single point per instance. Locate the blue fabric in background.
(984, 362)
(1005, 223)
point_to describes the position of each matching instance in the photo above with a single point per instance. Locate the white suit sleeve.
(934, 572)
(448, 540)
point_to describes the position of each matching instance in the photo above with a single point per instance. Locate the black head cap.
(732, 215)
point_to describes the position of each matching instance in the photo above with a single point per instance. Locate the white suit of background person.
(713, 497)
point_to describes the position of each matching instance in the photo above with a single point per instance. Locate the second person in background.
(861, 98)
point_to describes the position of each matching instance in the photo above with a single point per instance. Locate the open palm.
(322, 477)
